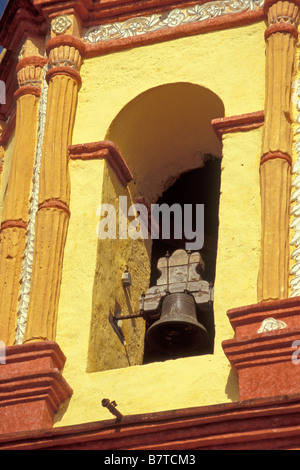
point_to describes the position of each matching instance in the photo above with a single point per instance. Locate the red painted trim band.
(34, 61)
(214, 24)
(281, 28)
(13, 224)
(273, 155)
(100, 150)
(27, 90)
(55, 204)
(62, 70)
(239, 123)
(65, 40)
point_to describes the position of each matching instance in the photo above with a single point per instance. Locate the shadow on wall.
(162, 133)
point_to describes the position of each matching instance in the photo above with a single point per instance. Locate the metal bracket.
(114, 321)
(111, 406)
(117, 329)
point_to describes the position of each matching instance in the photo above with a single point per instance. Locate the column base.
(262, 351)
(31, 386)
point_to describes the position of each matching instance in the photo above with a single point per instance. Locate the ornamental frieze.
(180, 16)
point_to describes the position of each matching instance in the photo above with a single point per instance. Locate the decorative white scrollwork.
(270, 324)
(147, 24)
(295, 210)
(61, 24)
(30, 234)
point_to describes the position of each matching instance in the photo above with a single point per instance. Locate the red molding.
(91, 50)
(263, 361)
(62, 70)
(28, 90)
(31, 386)
(106, 11)
(281, 28)
(265, 349)
(215, 24)
(36, 61)
(238, 123)
(65, 40)
(267, 423)
(273, 155)
(246, 320)
(103, 149)
(13, 224)
(20, 20)
(55, 204)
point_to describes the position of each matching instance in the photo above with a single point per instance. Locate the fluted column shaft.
(275, 168)
(52, 218)
(16, 200)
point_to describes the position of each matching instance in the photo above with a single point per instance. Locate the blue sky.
(3, 4)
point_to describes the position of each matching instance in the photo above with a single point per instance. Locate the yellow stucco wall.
(230, 63)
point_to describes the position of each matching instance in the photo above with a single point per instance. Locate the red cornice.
(31, 60)
(23, 18)
(55, 204)
(239, 123)
(214, 24)
(246, 320)
(273, 155)
(261, 424)
(28, 90)
(31, 386)
(20, 20)
(281, 28)
(103, 149)
(64, 71)
(92, 12)
(262, 349)
(65, 40)
(13, 224)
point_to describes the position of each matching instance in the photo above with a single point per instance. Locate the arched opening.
(199, 186)
(164, 132)
(166, 138)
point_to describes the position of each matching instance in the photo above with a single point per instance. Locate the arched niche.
(162, 134)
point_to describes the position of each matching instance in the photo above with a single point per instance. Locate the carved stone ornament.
(180, 16)
(270, 324)
(179, 273)
(61, 24)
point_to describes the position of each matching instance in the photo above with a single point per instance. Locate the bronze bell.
(178, 330)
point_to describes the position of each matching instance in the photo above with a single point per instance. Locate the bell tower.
(114, 332)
